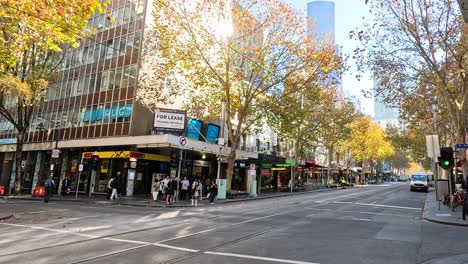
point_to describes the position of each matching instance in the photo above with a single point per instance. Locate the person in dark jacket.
(213, 191)
(49, 188)
(465, 205)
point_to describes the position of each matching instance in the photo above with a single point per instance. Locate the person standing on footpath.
(170, 191)
(213, 191)
(113, 184)
(164, 184)
(185, 188)
(49, 188)
(195, 192)
(155, 189)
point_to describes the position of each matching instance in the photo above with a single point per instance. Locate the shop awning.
(127, 154)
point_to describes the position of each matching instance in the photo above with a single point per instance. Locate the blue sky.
(348, 15)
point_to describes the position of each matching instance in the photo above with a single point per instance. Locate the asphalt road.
(378, 224)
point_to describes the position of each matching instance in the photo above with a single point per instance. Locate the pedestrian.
(109, 188)
(174, 184)
(164, 187)
(155, 189)
(113, 185)
(185, 188)
(200, 190)
(66, 186)
(213, 191)
(195, 192)
(343, 183)
(465, 205)
(49, 188)
(170, 191)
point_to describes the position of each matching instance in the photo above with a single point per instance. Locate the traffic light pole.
(181, 153)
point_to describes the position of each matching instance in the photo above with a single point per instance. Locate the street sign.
(182, 141)
(461, 146)
(433, 147)
(55, 153)
(80, 167)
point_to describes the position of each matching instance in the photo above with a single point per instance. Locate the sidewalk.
(444, 215)
(148, 202)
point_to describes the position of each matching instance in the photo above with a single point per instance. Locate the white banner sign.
(169, 119)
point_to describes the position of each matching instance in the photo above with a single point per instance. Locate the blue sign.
(460, 146)
(108, 113)
(212, 132)
(194, 128)
(6, 141)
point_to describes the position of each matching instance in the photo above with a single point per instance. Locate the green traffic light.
(446, 163)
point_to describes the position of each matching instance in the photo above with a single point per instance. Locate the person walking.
(113, 185)
(65, 186)
(185, 188)
(213, 191)
(155, 189)
(195, 192)
(49, 188)
(109, 188)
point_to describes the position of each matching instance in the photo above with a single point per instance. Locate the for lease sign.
(169, 119)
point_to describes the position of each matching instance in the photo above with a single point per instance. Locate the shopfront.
(140, 166)
(267, 173)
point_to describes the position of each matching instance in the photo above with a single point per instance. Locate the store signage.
(127, 154)
(108, 113)
(6, 141)
(201, 163)
(212, 132)
(194, 127)
(169, 120)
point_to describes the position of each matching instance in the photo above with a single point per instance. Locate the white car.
(419, 181)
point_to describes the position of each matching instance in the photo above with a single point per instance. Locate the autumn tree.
(33, 35)
(368, 142)
(240, 52)
(340, 113)
(418, 49)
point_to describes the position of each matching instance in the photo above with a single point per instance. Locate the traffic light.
(174, 160)
(446, 158)
(94, 162)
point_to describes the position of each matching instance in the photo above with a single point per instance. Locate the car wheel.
(411, 189)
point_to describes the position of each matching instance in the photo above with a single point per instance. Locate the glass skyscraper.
(321, 19)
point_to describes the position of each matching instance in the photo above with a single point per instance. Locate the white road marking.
(360, 219)
(176, 248)
(374, 202)
(390, 195)
(144, 218)
(45, 211)
(343, 202)
(258, 258)
(343, 196)
(107, 254)
(391, 206)
(221, 227)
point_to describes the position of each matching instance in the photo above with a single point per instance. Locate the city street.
(376, 224)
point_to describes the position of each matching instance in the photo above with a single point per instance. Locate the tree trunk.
(19, 159)
(231, 160)
(330, 157)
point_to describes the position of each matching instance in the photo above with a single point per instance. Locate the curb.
(426, 217)
(175, 206)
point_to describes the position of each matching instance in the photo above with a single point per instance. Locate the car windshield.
(419, 178)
